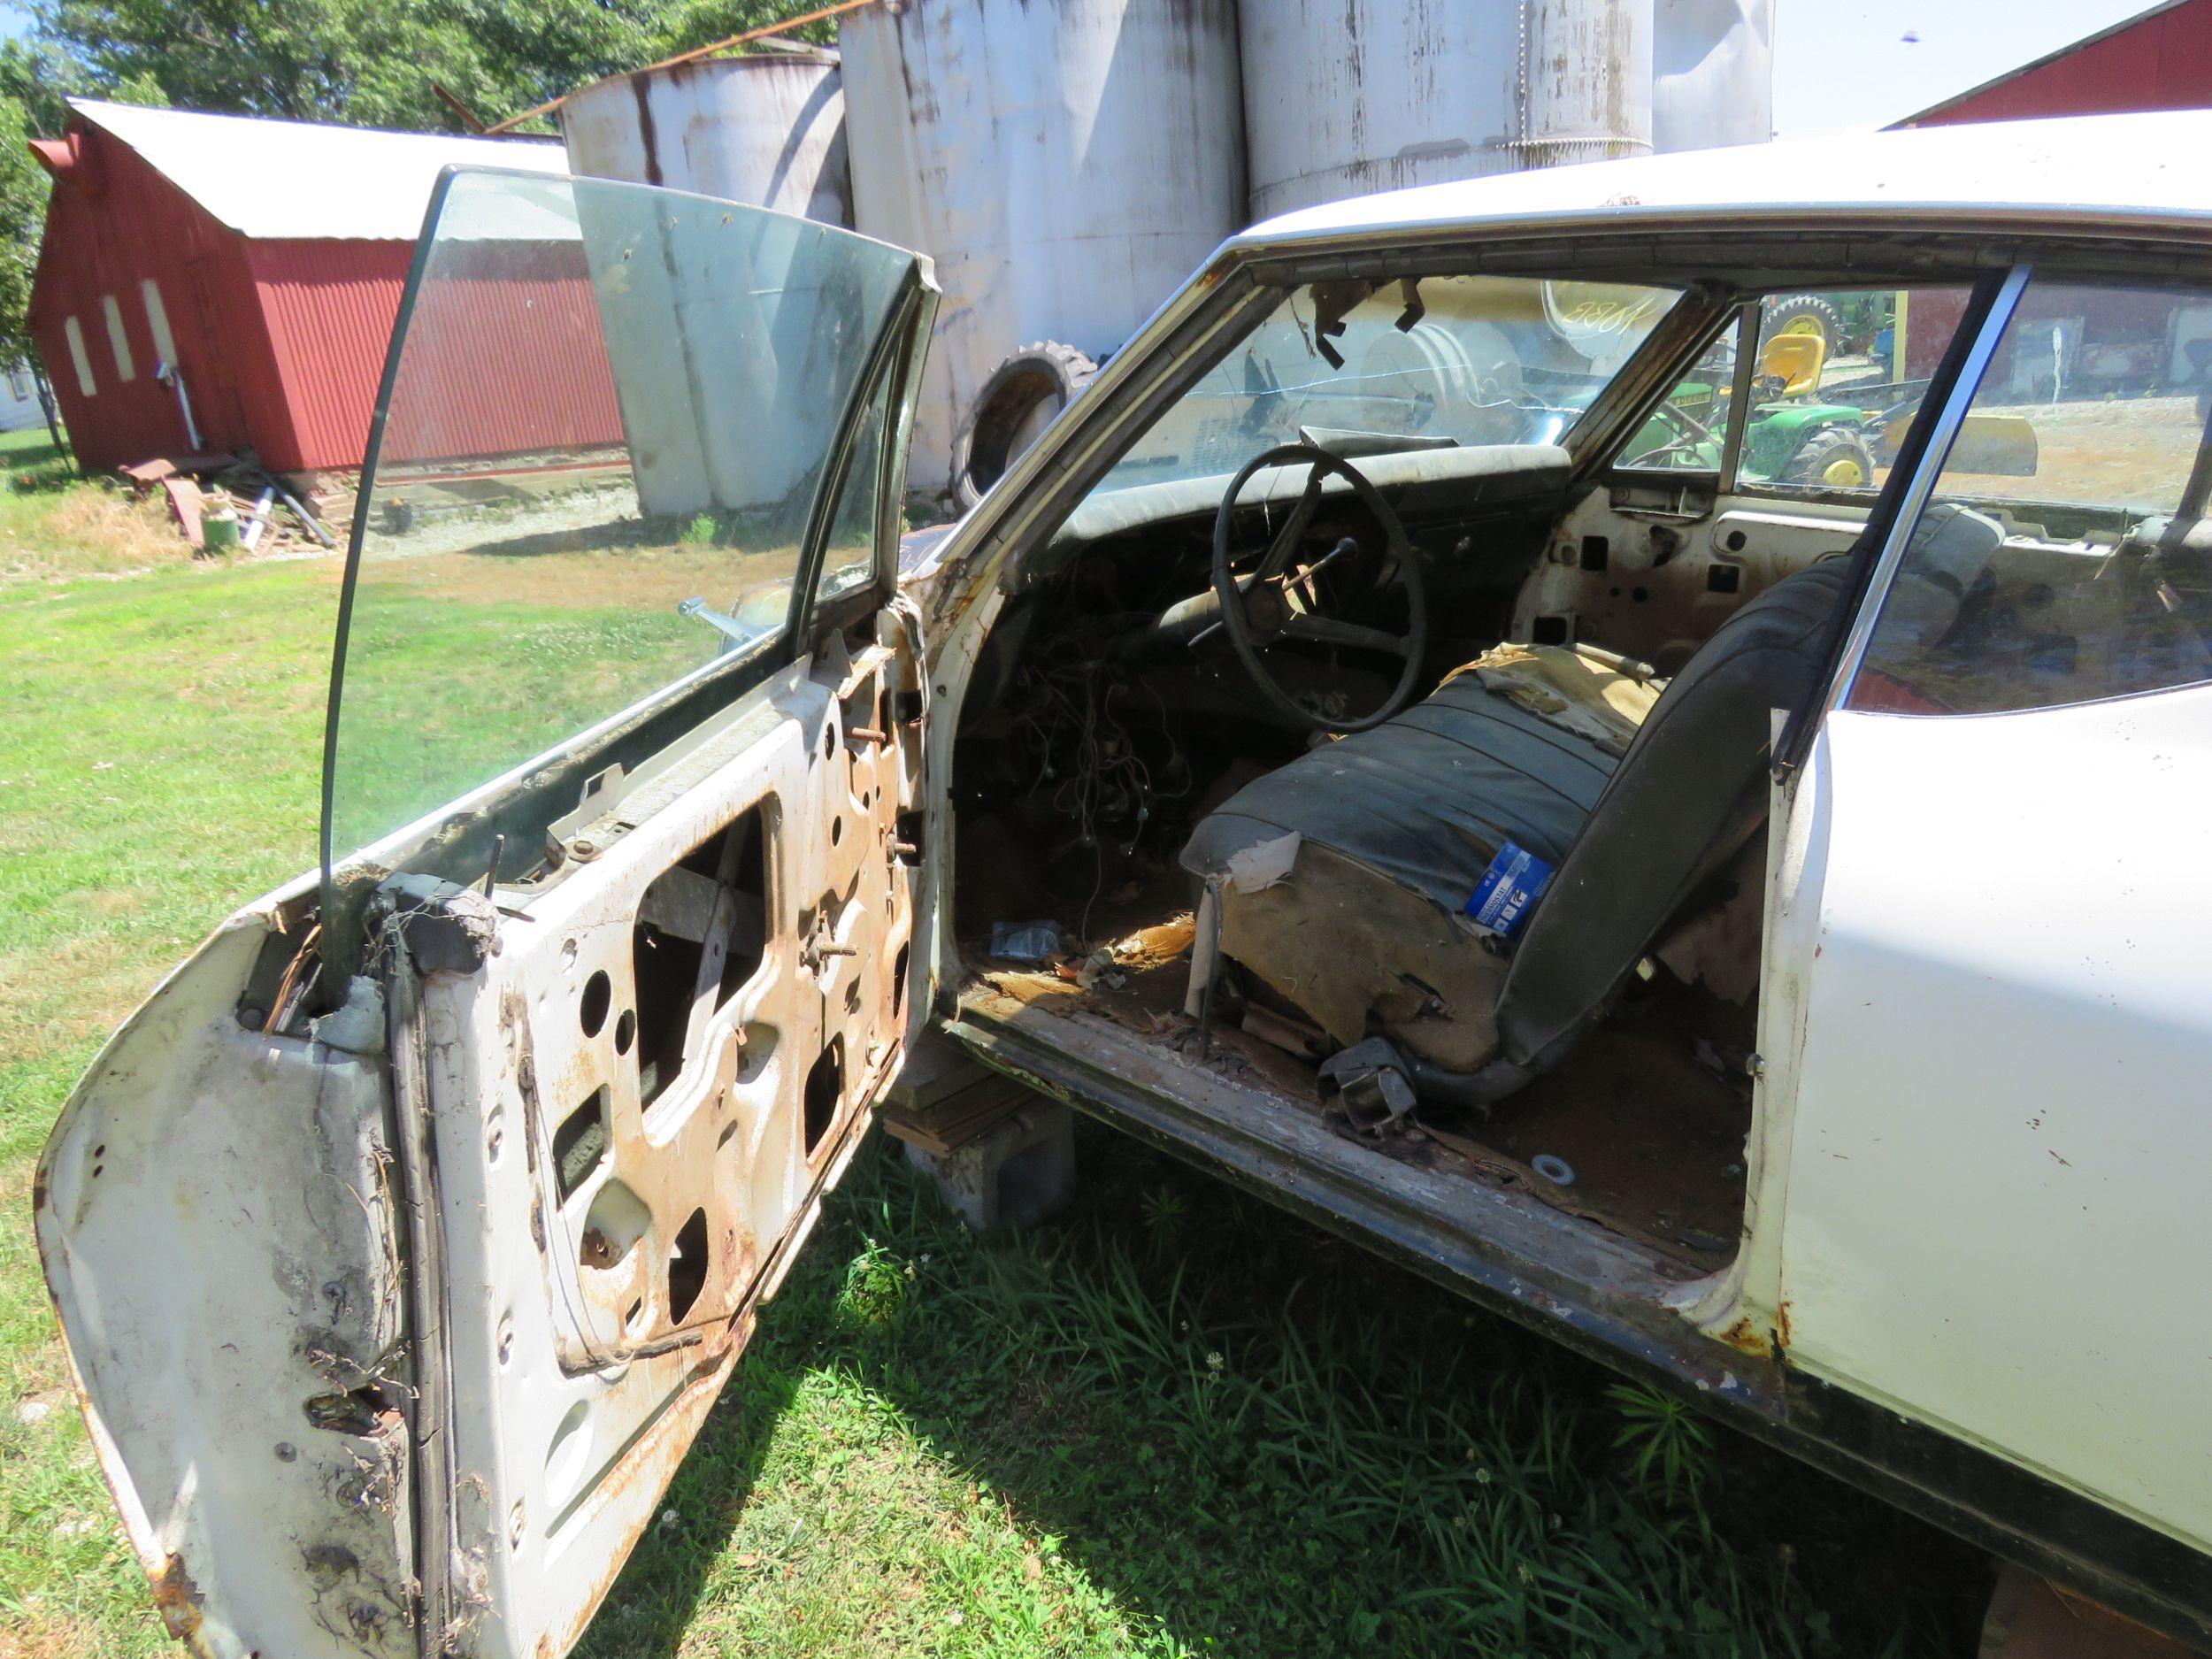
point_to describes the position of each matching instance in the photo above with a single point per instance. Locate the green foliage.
(375, 62)
(1668, 1447)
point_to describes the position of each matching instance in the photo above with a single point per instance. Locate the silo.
(768, 130)
(1586, 80)
(1345, 97)
(1066, 163)
(1713, 73)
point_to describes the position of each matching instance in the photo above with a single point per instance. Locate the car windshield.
(1371, 367)
(609, 427)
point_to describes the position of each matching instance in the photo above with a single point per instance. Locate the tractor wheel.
(1806, 314)
(1833, 459)
(1015, 405)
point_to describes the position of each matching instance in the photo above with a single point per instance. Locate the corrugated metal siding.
(281, 343)
(329, 308)
(506, 356)
(2163, 62)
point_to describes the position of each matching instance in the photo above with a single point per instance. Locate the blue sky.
(1842, 64)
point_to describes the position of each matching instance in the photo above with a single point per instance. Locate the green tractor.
(1794, 436)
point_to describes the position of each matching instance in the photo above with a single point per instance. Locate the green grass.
(1174, 1422)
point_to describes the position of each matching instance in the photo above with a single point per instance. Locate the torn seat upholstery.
(1392, 828)
(1638, 796)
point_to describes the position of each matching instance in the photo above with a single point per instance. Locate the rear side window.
(2063, 557)
(1834, 380)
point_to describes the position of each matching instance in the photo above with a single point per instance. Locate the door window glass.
(2062, 557)
(609, 419)
(848, 556)
(1689, 431)
(1839, 377)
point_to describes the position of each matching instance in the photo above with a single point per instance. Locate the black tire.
(1824, 460)
(1036, 379)
(1805, 314)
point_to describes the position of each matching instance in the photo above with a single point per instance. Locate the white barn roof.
(298, 179)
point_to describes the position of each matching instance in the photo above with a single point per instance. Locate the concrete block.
(1018, 1171)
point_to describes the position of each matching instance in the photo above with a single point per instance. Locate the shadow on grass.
(1252, 1436)
(31, 464)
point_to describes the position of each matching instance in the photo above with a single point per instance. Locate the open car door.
(404, 1239)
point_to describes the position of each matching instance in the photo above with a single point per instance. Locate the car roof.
(2086, 172)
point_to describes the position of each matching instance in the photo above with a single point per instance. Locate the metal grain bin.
(1345, 97)
(1586, 81)
(1713, 73)
(767, 130)
(1066, 163)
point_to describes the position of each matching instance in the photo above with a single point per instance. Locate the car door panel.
(404, 1238)
(1997, 1110)
(624, 1262)
(218, 1227)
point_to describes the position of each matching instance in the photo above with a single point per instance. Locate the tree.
(375, 62)
(34, 77)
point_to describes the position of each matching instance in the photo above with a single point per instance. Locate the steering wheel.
(1284, 598)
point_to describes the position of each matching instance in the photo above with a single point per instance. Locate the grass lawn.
(1173, 1422)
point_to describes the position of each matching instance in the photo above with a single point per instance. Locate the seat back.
(1693, 784)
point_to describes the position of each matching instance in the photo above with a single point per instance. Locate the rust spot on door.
(178, 1597)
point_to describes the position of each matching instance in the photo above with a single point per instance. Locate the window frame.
(1959, 380)
(668, 713)
(1726, 478)
(163, 337)
(119, 341)
(79, 355)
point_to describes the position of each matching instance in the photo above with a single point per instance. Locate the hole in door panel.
(580, 1145)
(667, 975)
(702, 929)
(825, 1088)
(591, 1009)
(686, 1266)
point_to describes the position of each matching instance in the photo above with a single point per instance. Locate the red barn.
(217, 282)
(2159, 59)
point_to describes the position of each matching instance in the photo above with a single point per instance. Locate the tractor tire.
(1835, 457)
(1015, 405)
(1805, 314)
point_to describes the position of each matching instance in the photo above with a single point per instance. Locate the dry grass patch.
(86, 530)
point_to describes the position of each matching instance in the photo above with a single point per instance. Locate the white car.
(1477, 782)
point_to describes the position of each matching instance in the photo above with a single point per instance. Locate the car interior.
(1383, 761)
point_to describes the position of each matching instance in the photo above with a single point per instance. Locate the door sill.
(1568, 1278)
